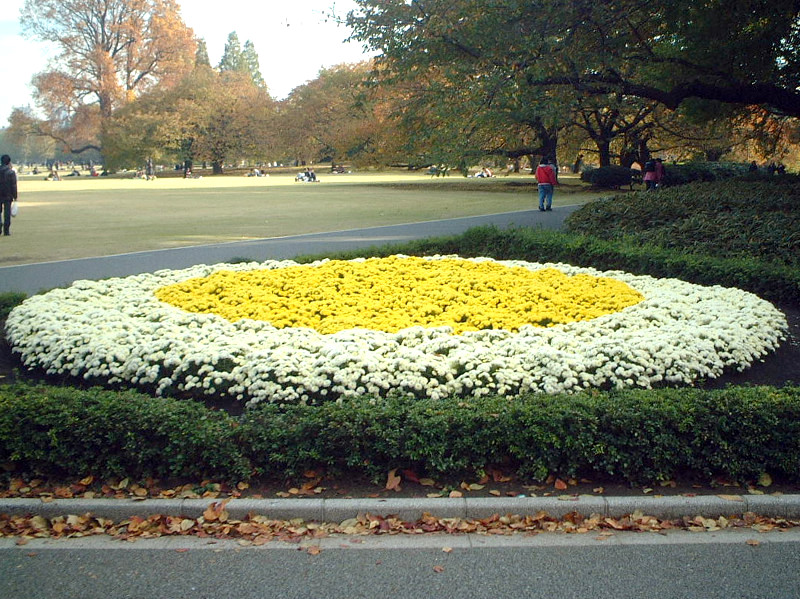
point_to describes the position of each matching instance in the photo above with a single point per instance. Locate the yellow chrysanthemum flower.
(390, 294)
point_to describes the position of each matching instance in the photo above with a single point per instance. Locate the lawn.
(83, 217)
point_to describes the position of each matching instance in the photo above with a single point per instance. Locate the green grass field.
(83, 216)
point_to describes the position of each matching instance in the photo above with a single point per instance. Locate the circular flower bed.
(650, 331)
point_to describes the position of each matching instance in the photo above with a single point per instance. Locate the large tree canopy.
(733, 51)
(110, 52)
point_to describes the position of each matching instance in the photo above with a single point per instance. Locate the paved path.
(676, 565)
(32, 278)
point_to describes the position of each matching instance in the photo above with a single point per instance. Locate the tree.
(666, 51)
(201, 56)
(328, 117)
(215, 116)
(110, 52)
(251, 66)
(232, 60)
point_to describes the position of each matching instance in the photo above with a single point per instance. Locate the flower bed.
(118, 331)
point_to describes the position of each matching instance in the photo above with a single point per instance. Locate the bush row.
(730, 218)
(614, 177)
(635, 435)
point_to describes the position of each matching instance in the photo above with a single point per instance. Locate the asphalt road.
(628, 565)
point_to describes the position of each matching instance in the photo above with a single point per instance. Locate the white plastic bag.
(14, 208)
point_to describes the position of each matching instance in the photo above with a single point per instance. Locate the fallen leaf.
(393, 481)
(456, 494)
(410, 475)
(438, 569)
(475, 487)
(599, 490)
(560, 485)
(447, 549)
(731, 497)
(494, 492)
(314, 550)
(753, 542)
(765, 480)
(427, 482)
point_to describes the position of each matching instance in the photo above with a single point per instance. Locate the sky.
(293, 39)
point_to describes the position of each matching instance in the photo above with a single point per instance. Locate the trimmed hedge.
(61, 431)
(756, 219)
(8, 300)
(611, 177)
(640, 436)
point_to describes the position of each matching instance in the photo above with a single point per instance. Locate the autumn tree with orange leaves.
(111, 51)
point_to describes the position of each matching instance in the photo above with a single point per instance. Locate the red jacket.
(545, 173)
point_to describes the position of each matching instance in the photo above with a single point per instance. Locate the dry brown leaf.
(314, 550)
(393, 481)
(447, 549)
(456, 494)
(731, 497)
(427, 482)
(438, 569)
(560, 485)
(753, 542)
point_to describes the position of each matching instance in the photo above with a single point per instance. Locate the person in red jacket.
(547, 179)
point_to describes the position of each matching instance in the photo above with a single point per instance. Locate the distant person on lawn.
(8, 192)
(547, 180)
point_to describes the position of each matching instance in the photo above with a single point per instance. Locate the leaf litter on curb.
(258, 530)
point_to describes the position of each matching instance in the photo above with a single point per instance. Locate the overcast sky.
(294, 39)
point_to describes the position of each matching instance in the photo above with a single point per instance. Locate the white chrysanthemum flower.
(117, 330)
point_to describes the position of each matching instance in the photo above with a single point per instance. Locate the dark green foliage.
(693, 172)
(640, 436)
(8, 301)
(610, 177)
(757, 219)
(48, 430)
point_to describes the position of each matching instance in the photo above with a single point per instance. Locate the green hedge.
(640, 436)
(732, 218)
(62, 431)
(610, 177)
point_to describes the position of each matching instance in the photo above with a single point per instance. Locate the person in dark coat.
(8, 192)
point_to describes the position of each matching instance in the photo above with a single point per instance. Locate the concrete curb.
(338, 510)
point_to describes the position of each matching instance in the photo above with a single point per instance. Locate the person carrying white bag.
(8, 193)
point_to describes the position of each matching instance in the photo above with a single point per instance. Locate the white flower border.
(116, 331)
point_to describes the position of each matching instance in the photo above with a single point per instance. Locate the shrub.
(8, 301)
(639, 436)
(60, 431)
(610, 177)
(723, 219)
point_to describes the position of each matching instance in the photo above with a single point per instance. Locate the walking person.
(661, 172)
(8, 192)
(547, 180)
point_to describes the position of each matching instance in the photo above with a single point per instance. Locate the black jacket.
(8, 183)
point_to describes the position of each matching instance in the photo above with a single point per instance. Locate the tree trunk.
(604, 151)
(216, 167)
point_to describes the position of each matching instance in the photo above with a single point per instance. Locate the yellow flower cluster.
(390, 294)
